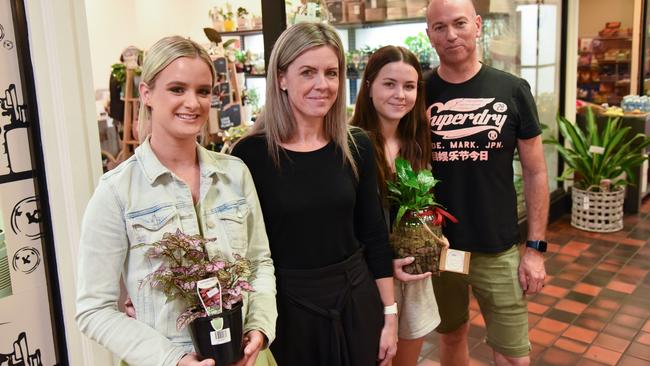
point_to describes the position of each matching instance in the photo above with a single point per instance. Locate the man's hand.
(190, 359)
(398, 270)
(531, 271)
(253, 343)
(388, 340)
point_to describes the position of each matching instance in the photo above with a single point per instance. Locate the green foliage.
(420, 46)
(410, 190)
(118, 71)
(620, 154)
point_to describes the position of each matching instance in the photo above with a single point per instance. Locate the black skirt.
(328, 316)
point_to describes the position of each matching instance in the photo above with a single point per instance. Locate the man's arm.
(531, 155)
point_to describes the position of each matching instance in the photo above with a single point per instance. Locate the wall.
(595, 13)
(115, 24)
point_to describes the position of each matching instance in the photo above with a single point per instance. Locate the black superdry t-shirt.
(474, 130)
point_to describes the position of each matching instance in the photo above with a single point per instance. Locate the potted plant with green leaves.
(417, 229)
(600, 163)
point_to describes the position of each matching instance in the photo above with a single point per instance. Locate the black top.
(474, 130)
(316, 212)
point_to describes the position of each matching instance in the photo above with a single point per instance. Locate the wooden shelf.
(378, 23)
(249, 32)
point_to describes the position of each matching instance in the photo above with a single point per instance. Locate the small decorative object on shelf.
(212, 290)
(417, 228)
(243, 19)
(600, 164)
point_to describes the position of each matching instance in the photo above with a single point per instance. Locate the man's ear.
(479, 25)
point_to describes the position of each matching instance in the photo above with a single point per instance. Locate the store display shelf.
(249, 32)
(256, 76)
(613, 61)
(378, 23)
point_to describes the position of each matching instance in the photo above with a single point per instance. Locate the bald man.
(478, 117)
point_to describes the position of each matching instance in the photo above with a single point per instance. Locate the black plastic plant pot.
(223, 345)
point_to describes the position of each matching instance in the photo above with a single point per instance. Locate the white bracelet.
(391, 309)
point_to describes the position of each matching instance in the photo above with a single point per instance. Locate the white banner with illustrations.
(26, 336)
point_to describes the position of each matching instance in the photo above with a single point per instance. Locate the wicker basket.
(597, 211)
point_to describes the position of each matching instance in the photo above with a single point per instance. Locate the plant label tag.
(453, 260)
(596, 149)
(220, 336)
(209, 292)
(585, 203)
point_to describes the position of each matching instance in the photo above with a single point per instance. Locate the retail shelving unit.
(604, 70)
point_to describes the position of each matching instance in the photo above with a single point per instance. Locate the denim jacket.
(138, 202)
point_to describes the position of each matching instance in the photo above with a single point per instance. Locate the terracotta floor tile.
(427, 362)
(561, 316)
(552, 326)
(638, 310)
(554, 291)
(566, 258)
(532, 320)
(571, 345)
(589, 323)
(570, 275)
(552, 247)
(536, 308)
(643, 338)
(607, 304)
(541, 337)
(571, 306)
(597, 313)
(628, 321)
(581, 298)
(633, 271)
(588, 362)
(603, 355)
(578, 268)
(554, 356)
(611, 342)
(632, 361)
(587, 289)
(646, 327)
(609, 267)
(482, 352)
(478, 362)
(621, 286)
(544, 299)
(639, 350)
(478, 321)
(620, 331)
(536, 351)
(574, 248)
(580, 334)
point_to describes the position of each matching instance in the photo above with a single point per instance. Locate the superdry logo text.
(462, 118)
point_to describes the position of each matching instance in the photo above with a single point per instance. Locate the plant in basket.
(211, 288)
(601, 162)
(417, 229)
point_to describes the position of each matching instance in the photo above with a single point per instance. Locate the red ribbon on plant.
(440, 215)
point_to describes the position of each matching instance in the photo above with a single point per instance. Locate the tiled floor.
(595, 307)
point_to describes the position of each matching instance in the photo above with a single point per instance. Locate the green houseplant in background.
(421, 47)
(417, 230)
(601, 162)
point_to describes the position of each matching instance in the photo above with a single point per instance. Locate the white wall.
(115, 24)
(595, 13)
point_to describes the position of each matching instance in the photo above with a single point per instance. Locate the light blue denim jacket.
(138, 202)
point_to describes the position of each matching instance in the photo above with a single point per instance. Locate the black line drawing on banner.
(2, 32)
(20, 355)
(26, 218)
(26, 260)
(8, 45)
(16, 163)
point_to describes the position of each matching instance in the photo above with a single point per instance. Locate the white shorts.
(417, 307)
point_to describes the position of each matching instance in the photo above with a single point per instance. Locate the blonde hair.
(276, 121)
(159, 56)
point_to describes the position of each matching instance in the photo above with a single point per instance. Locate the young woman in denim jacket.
(170, 183)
